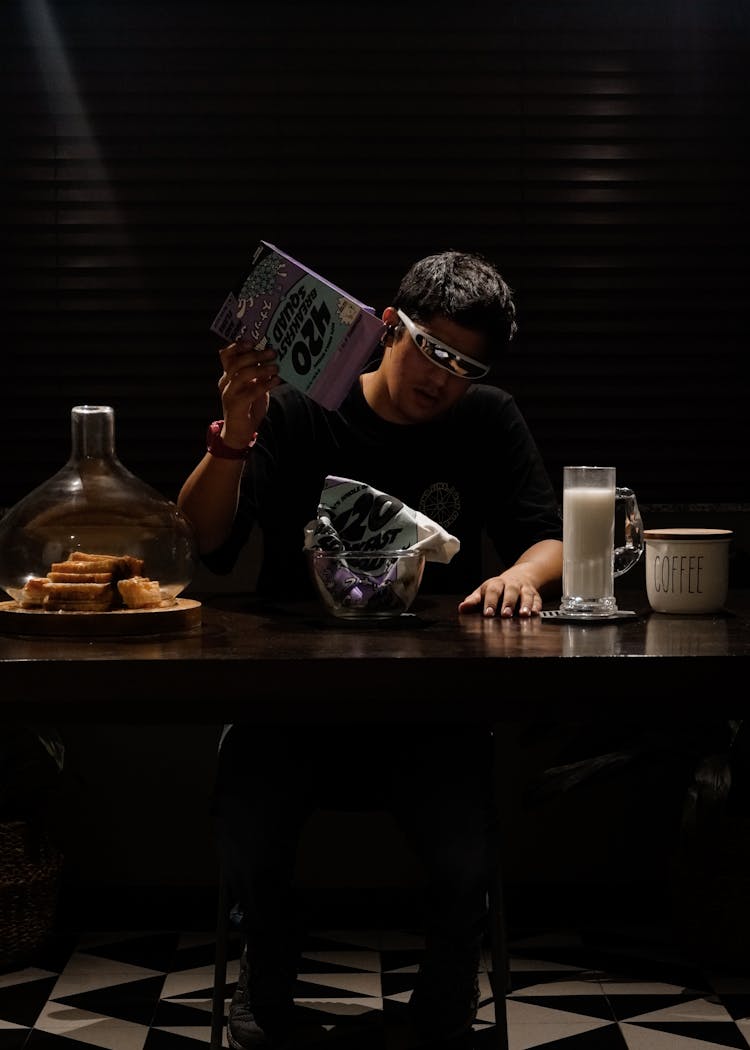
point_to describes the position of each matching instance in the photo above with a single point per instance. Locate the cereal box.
(322, 335)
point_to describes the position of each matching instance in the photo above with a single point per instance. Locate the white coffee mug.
(687, 570)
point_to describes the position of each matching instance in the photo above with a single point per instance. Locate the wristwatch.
(216, 446)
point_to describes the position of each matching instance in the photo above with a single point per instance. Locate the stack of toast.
(92, 583)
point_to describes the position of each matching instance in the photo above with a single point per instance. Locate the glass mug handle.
(628, 555)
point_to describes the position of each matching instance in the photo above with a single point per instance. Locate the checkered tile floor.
(152, 991)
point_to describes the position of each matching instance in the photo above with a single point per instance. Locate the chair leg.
(220, 966)
(500, 960)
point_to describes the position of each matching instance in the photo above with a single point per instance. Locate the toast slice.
(123, 564)
(34, 592)
(79, 592)
(139, 592)
(80, 577)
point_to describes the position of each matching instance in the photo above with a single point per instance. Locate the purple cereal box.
(322, 335)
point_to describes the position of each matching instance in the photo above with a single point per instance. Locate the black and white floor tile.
(152, 991)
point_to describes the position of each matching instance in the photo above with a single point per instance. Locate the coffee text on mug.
(678, 574)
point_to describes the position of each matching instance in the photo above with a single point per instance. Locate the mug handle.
(628, 555)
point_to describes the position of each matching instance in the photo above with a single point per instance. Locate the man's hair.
(464, 287)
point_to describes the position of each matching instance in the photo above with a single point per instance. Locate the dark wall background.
(598, 152)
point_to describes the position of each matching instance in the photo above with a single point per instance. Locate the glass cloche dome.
(95, 505)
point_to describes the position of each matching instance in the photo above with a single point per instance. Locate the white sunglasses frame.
(414, 330)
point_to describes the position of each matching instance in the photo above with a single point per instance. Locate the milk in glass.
(588, 542)
(591, 562)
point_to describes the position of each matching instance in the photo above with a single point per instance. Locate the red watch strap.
(216, 446)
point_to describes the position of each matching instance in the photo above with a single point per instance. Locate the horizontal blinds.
(599, 156)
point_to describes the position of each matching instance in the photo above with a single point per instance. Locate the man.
(417, 426)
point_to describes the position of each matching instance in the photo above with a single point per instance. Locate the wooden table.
(293, 663)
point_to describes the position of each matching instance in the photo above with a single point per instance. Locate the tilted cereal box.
(323, 337)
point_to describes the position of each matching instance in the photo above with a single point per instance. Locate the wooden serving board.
(183, 615)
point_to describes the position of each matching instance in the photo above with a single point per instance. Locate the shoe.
(262, 1021)
(249, 1026)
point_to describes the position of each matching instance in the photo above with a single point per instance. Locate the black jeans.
(435, 780)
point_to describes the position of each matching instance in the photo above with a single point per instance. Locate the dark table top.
(247, 661)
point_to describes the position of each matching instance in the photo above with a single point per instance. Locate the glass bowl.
(366, 585)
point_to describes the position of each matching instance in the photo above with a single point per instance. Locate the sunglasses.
(442, 355)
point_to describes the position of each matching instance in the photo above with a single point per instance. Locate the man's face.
(418, 389)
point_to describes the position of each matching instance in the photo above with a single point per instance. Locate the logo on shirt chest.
(441, 502)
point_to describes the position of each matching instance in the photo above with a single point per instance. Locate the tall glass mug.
(590, 559)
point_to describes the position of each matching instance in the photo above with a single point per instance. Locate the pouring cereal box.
(323, 336)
